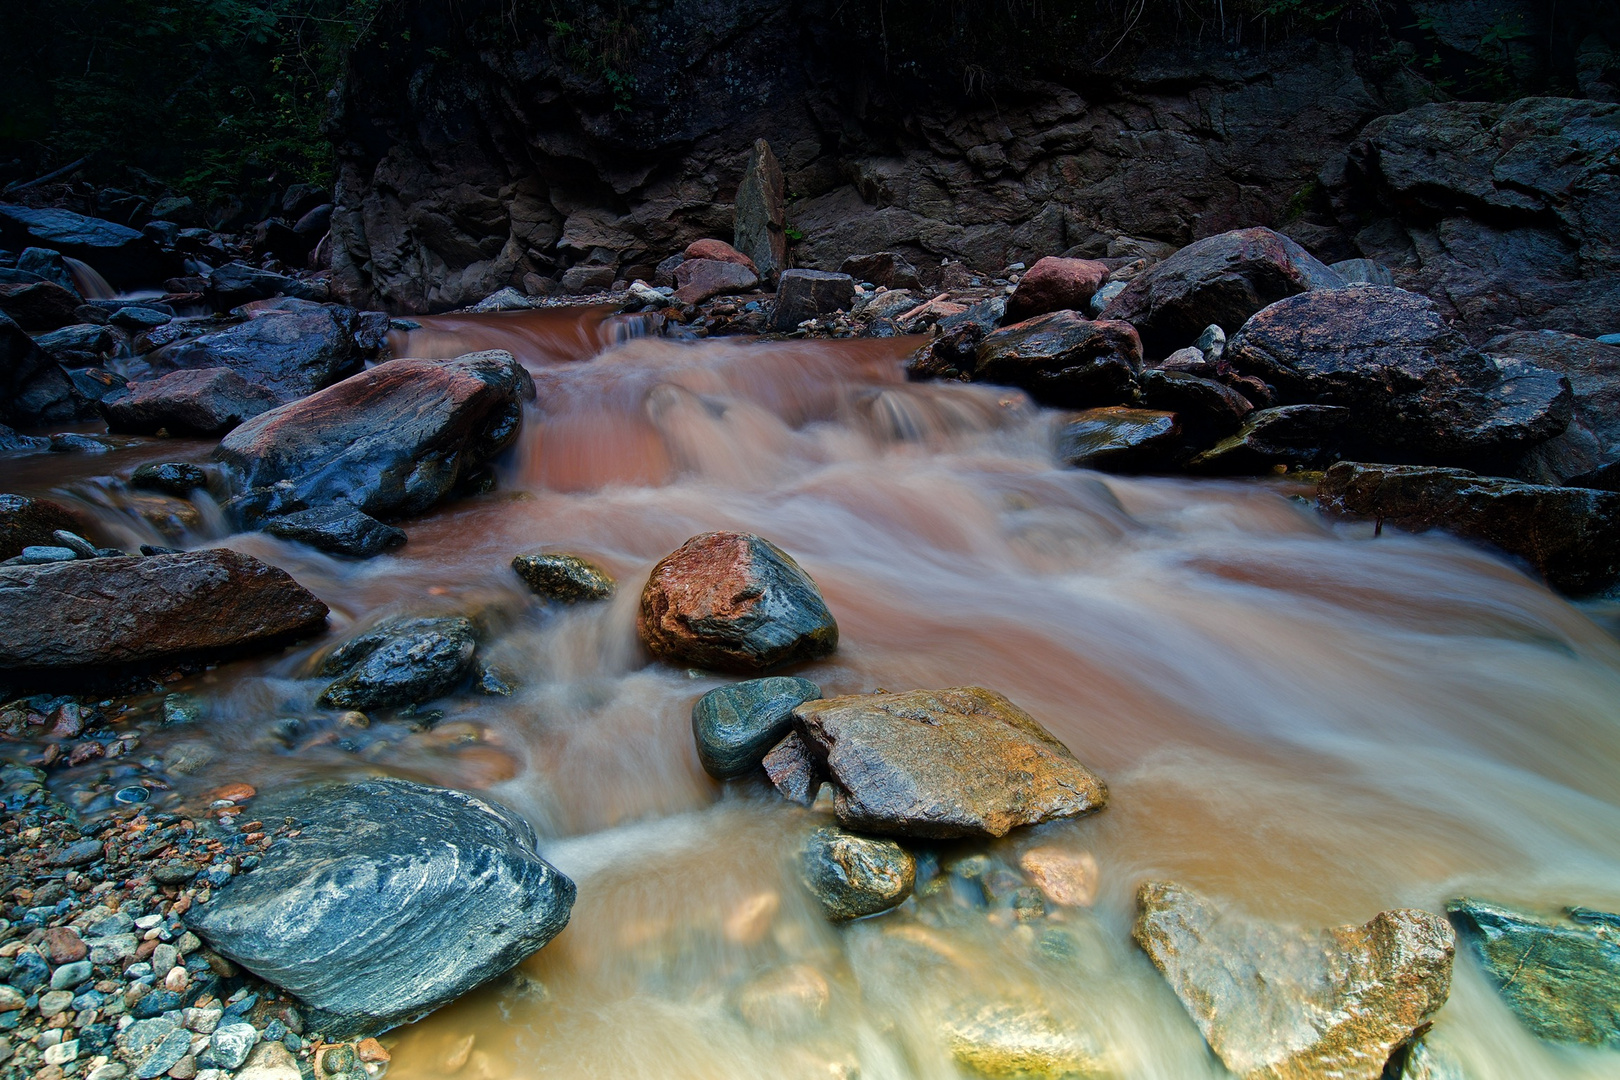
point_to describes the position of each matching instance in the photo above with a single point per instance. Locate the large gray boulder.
(292, 350)
(393, 899)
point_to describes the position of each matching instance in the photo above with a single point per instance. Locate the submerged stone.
(736, 725)
(568, 579)
(1020, 1042)
(339, 529)
(854, 876)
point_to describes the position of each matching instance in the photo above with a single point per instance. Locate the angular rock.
(123, 256)
(390, 441)
(1362, 272)
(1065, 877)
(734, 602)
(761, 212)
(338, 529)
(1286, 435)
(854, 876)
(394, 898)
(567, 579)
(1277, 1003)
(735, 726)
(1560, 977)
(1571, 536)
(34, 389)
(78, 345)
(204, 401)
(1020, 1043)
(806, 294)
(135, 318)
(699, 279)
(507, 299)
(882, 268)
(793, 770)
(719, 251)
(175, 478)
(401, 662)
(47, 264)
(237, 283)
(941, 763)
(28, 522)
(1220, 279)
(1119, 439)
(291, 350)
(1592, 440)
(131, 610)
(228, 1046)
(154, 1046)
(1063, 359)
(1056, 284)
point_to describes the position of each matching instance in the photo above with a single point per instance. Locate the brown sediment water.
(1292, 714)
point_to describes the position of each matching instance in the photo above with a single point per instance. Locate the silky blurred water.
(1294, 715)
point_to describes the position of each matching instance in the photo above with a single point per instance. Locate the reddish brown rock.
(699, 279)
(734, 602)
(25, 522)
(1055, 284)
(793, 772)
(64, 945)
(719, 251)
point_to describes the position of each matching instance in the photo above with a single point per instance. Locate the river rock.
(941, 763)
(337, 528)
(34, 388)
(1561, 977)
(1120, 439)
(120, 254)
(793, 770)
(567, 579)
(788, 998)
(153, 1046)
(47, 264)
(1592, 440)
(1294, 435)
(719, 251)
(854, 876)
(806, 294)
(1063, 359)
(1278, 1003)
(65, 617)
(401, 662)
(238, 283)
(177, 478)
(699, 279)
(734, 602)
(291, 350)
(205, 401)
(1571, 536)
(1020, 1042)
(736, 725)
(394, 898)
(1220, 279)
(760, 215)
(78, 345)
(885, 269)
(1207, 410)
(28, 522)
(1418, 390)
(1056, 284)
(390, 441)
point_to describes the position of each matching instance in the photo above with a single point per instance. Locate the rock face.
(1591, 442)
(567, 579)
(854, 876)
(392, 440)
(34, 389)
(26, 522)
(1570, 535)
(1561, 978)
(734, 602)
(205, 401)
(1119, 439)
(292, 351)
(699, 279)
(122, 255)
(736, 725)
(403, 662)
(805, 294)
(1417, 390)
(395, 898)
(1056, 284)
(1063, 359)
(1221, 280)
(67, 616)
(943, 763)
(761, 212)
(1281, 1004)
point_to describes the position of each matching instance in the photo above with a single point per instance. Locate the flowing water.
(1312, 722)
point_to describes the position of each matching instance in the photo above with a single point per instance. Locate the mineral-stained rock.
(942, 763)
(567, 579)
(394, 898)
(734, 602)
(1020, 1042)
(736, 725)
(1277, 1003)
(66, 616)
(1063, 359)
(1570, 535)
(793, 770)
(28, 522)
(700, 279)
(761, 212)
(402, 662)
(292, 349)
(719, 251)
(204, 401)
(805, 294)
(337, 528)
(392, 440)
(853, 876)
(1055, 284)
(1285, 435)
(1220, 279)
(1120, 439)
(1561, 977)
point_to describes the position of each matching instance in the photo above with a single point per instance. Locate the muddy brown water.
(1312, 722)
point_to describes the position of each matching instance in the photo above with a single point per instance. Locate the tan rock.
(1064, 877)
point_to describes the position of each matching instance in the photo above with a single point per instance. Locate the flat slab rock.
(394, 899)
(1279, 1003)
(963, 761)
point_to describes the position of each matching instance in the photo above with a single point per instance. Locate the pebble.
(228, 1046)
(62, 1053)
(54, 1002)
(71, 975)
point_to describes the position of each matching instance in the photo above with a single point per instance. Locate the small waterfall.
(91, 285)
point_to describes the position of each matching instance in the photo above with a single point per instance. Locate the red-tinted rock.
(719, 251)
(1063, 359)
(26, 522)
(1055, 284)
(699, 279)
(64, 945)
(734, 602)
(205, 401)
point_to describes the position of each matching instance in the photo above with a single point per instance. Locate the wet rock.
(122, 255)
(34, 388)
(47, 264)
(699, 279)
(1120, 439)
(11, 442)
(1419, 391)
(736, 725)
(789, 998)
(71, 616)
(854, 876)
(760, 214)
(205, 401)
(136, 319)
(228, 1046)
(175, 478)
(941, 763)
(402, 662)
(1056, 284)
(1422, 1060)
(793, 770)
(291, 350)
(1065, 877)
(1571, 536)
(1220, 279)
(270, 1061)
(1286, 435)
(884, 268)
(1020, 1042)
(507, 299)
(567, 579)
(734, 602)
(338, 529)
(78, 345)
(1207, 410)
(947, 356)
(1561, 977)
(390, 441)
(806, 294)
(1592, 440)
(238, 283)
(367, 921)
(1285, 1004)
(27, 522)
(40, 554)
(1063, 359)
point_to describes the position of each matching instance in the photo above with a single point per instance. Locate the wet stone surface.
(735, 726)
